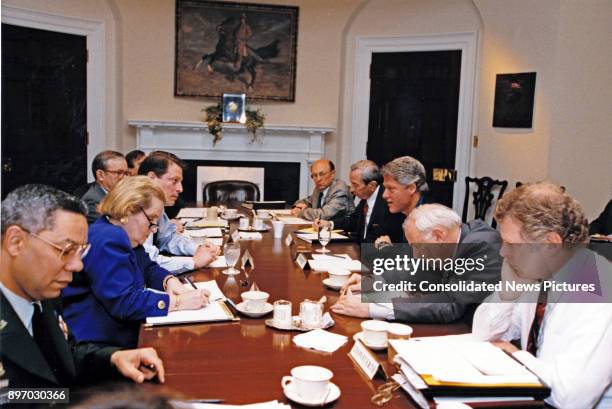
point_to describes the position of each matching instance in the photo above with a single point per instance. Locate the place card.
(247, 259)
(289, 240)
(301, 261)
(366, 361)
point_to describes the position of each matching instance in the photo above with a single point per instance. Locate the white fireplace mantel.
(274, 143)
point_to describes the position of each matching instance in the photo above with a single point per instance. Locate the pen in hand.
(190, 281)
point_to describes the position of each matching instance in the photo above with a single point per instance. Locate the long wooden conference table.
(243, 362)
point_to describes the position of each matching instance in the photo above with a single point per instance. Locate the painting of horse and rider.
(244, 48)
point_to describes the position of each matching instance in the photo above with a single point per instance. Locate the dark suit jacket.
(477, 240)
(381, 221)
(603, 224)
(337, 204)
(24, 362)
(92, 197)
(108, 300)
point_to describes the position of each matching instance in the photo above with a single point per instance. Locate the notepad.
(205, 232)
(310, 237)
(322, 262)
(191, 212)
(292, 220)
(215, 311)
(215, 292)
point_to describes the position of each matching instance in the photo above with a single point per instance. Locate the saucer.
(291, 393)
(327, 283)
(267, 309)
(359, 337)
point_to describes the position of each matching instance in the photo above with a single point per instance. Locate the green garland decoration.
(254, 120)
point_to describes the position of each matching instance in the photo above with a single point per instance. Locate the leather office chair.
(231, 190)
(483, 196)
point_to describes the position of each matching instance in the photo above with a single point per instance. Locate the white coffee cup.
(258, 224)
(338, 276)
(375, 332)
(230, 213)
(278, 225)
(254, 301)
(263, 213)
(212, 213)
(244, 223)
(399, 331)
(310, 382)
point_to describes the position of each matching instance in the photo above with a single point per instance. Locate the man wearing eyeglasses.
(330, 199)
(44, 234)
(108, 168)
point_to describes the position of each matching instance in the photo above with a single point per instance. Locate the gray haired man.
(44, 238)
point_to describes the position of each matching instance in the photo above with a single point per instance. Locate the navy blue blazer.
(107, 301)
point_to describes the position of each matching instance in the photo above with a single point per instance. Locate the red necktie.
(534, 331)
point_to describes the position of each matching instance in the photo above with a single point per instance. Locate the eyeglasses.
(119, 172)
(67, 252)
(152, 226)
(320, 175)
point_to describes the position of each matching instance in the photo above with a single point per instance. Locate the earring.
(123, 220)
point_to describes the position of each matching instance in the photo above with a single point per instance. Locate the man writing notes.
(44, 234)
(166, 170)
(108, 168)
(434, 232)
(566, 344)
(330, 199)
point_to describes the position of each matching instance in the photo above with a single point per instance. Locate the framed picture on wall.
(239, 48)
(514, 98)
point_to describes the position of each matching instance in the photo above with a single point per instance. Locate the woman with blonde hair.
(120, 286)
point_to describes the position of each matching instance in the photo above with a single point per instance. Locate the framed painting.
(514, 98)
(235, 48)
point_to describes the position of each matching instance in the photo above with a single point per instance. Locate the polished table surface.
(244, 361)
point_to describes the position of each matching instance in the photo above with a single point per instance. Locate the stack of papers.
(322, 262)
(310, 237)
(202, 223)
(191, 212)
(320, 340)
(461, 362)
(292, 219)
(274, 404)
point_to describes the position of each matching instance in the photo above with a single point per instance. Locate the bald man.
(330, 199)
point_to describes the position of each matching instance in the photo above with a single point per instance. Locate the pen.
(206, 401)
(190, 281)
(150, 367)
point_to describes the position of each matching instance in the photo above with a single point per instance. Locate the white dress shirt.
(174, 264)
(371, 202)
(574, 347)
(23, 308)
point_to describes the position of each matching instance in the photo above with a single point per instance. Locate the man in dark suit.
(108, 168)
(371, 218)
(330, 199)
(44, 234)
(603, 224)
(434, 232)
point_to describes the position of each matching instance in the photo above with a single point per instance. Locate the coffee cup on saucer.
(338, 276)
(375, 332)
(309, 382)
(254, 301)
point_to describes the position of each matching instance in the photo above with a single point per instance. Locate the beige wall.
(581, 138)
(148, 43)
(565, 41)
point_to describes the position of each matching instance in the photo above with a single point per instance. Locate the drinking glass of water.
(231, 251)
(325, 233)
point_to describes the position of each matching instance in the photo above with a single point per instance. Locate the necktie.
(365, 218)
(42, 337)
(534, 331)
(320, 200)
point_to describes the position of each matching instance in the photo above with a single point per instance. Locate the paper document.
(215, 292)
(292, 220)
(219, 262)
(310, 237)
(195, 405)
(191, 212)
(323, 262)
(200, 224)
(462, 361)
(205, 232)
(243, 235)
(215, 311)
(481, 399)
